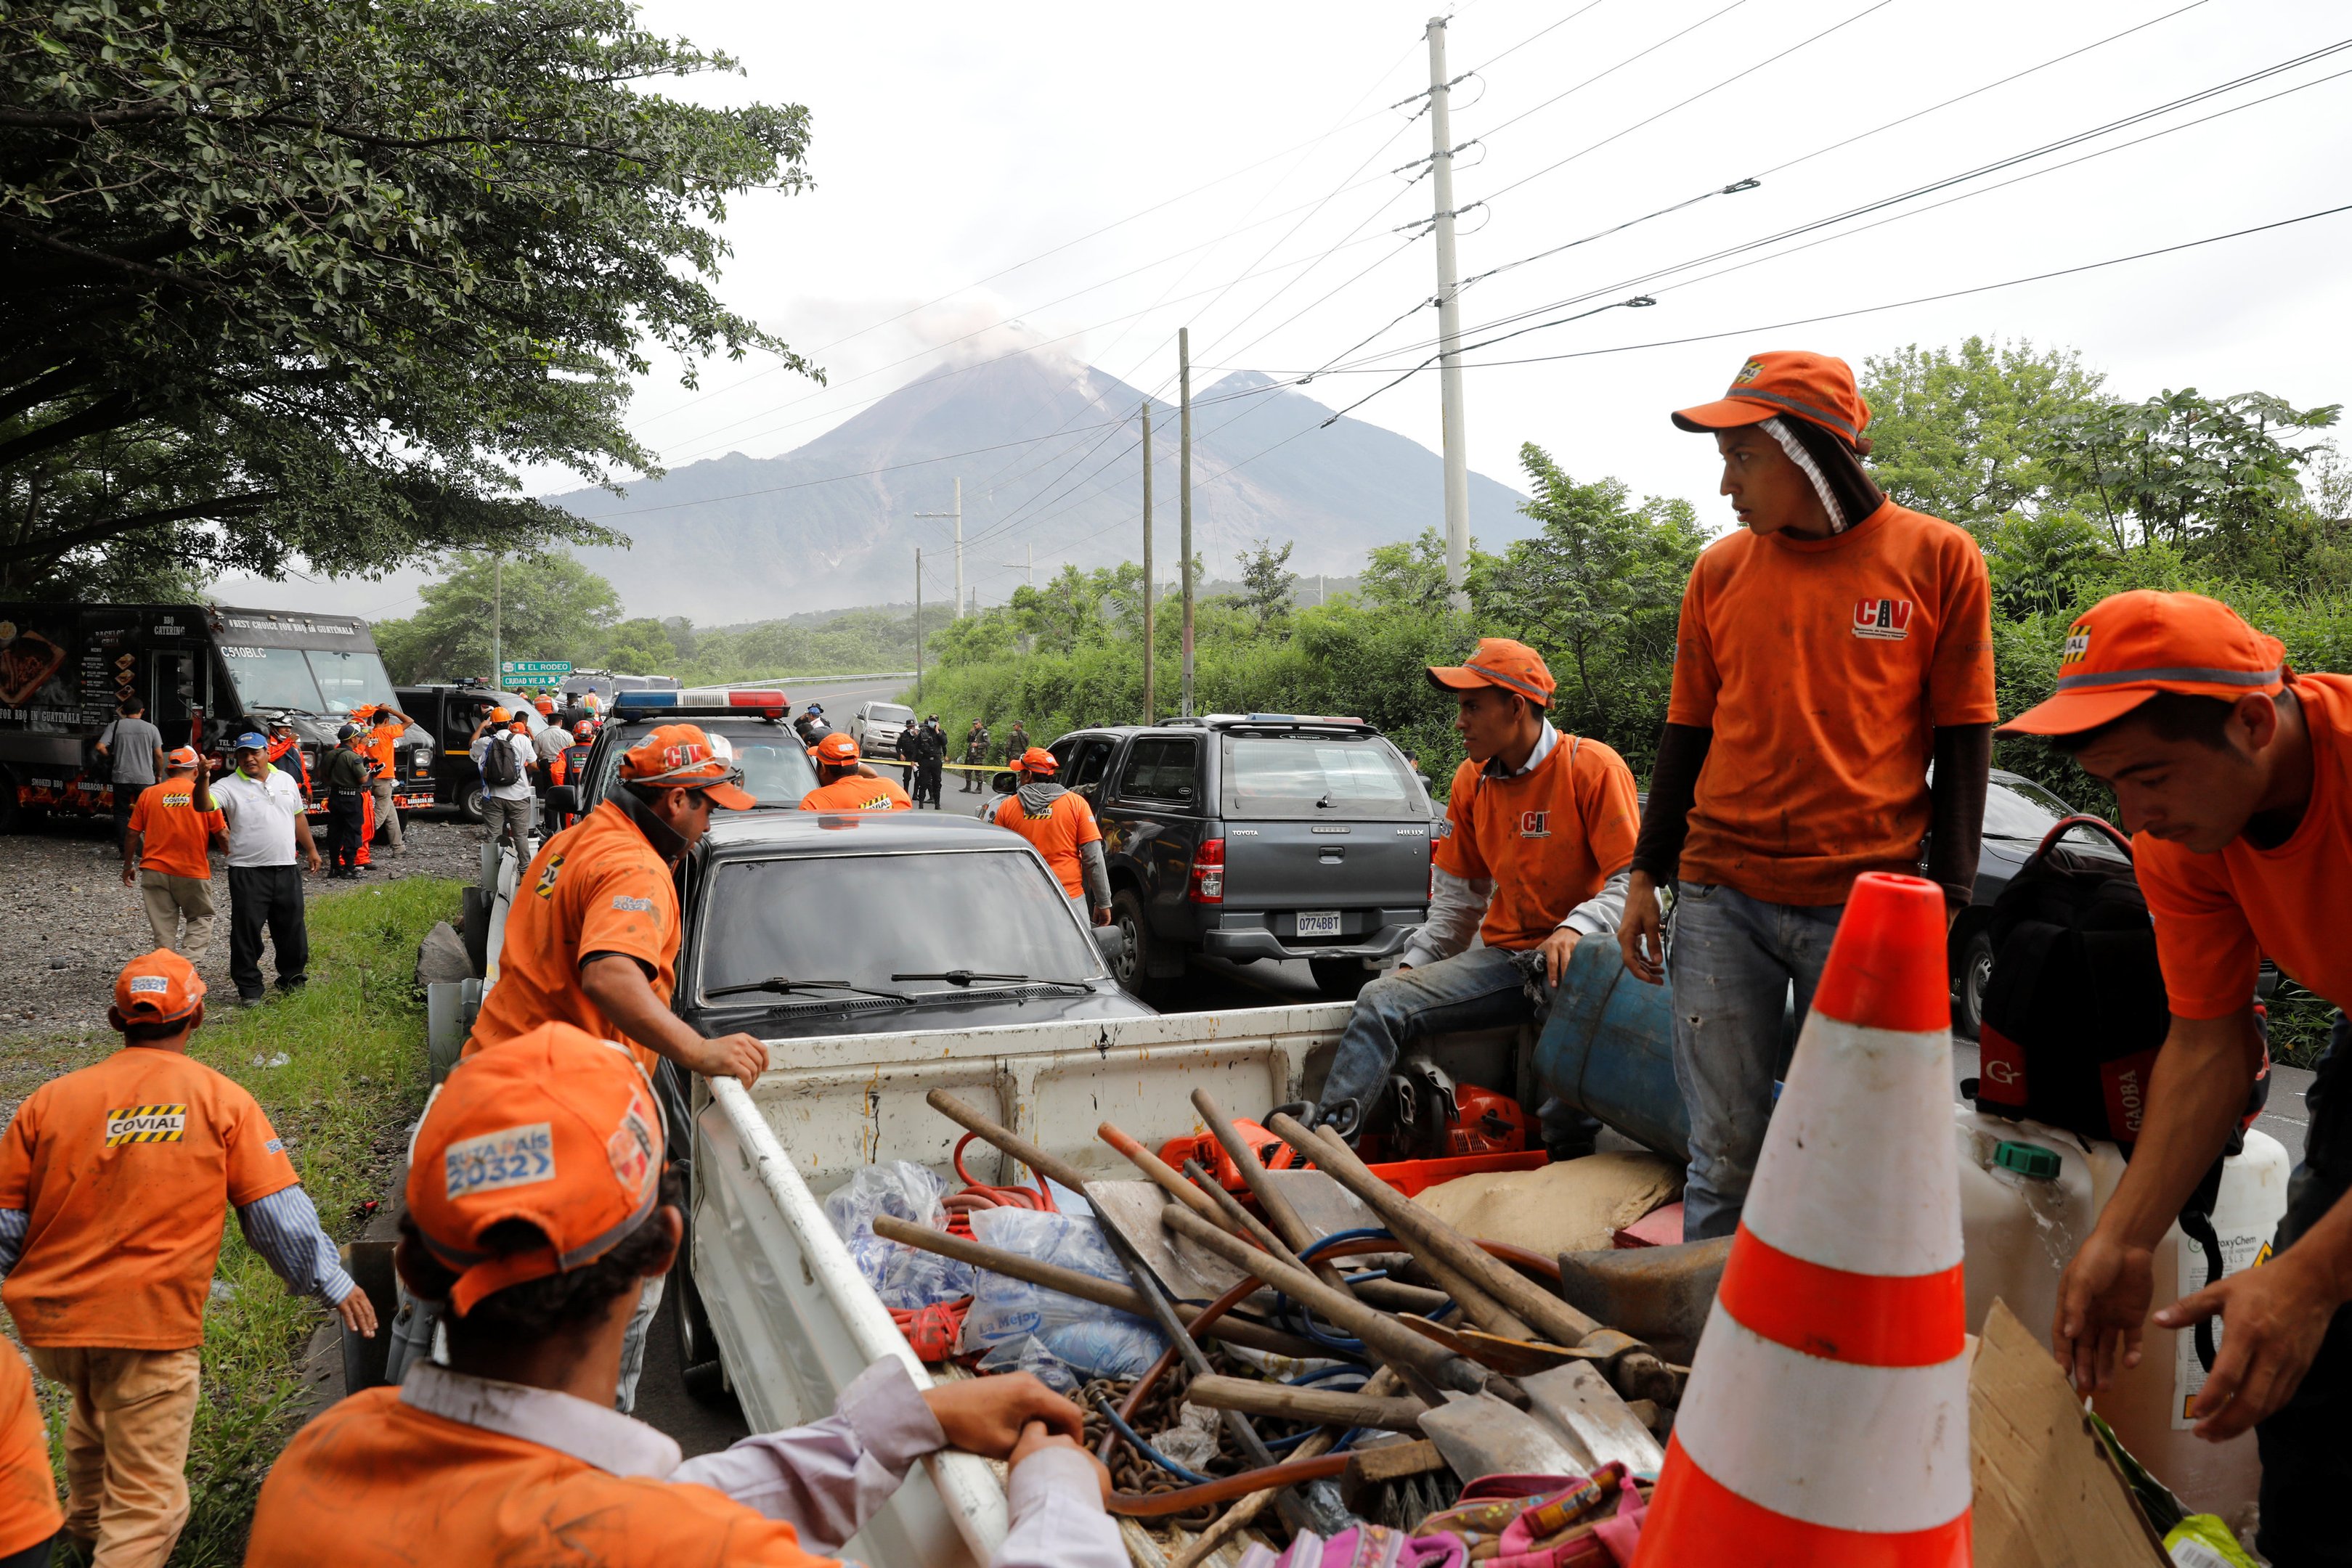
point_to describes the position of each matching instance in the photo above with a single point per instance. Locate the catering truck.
(206, 672)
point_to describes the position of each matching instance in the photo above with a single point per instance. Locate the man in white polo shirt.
(266, 822)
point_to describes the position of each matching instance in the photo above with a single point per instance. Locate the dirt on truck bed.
(75, 924)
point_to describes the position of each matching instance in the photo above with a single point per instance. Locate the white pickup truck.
(792, 1318)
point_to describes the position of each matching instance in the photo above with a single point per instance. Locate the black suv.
(1264, 835)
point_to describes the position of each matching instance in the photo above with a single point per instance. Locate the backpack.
(499, 770)
(2074, 1012)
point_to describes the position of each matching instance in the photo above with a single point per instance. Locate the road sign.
(534, 667)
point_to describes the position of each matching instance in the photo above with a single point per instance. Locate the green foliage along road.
(313, 278)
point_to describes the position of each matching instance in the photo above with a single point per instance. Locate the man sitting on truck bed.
(1538, 835)
(538, 1207)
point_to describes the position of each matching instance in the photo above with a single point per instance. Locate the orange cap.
(184, 757)
(2130, 646)
(1498, 662)
(499, 716)
(555, 1127)
(1037, 759)
(836, 751)
(681, 757)
(159, 988)
(1815, 388)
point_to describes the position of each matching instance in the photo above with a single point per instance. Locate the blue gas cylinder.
(1608, 1049)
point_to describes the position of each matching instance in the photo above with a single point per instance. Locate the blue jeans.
(1478, 989)
(1733, 960)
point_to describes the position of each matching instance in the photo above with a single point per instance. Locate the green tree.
(549, 606)
(1960, 433)
(640, 647)
(1265, 584)
(2219, 477)
(309, 279)
(1598, 594)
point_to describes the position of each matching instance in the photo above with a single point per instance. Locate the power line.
(1685, 103)
(1531, 37)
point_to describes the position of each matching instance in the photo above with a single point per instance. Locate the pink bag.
(1570, 1531)
(1370, 1546)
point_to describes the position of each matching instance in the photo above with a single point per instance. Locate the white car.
(876, 726)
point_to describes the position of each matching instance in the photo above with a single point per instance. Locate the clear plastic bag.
(1028, 1352)
(901, 1275)
(1095, 1341)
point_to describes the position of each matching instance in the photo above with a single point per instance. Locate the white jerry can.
(2029, 1194)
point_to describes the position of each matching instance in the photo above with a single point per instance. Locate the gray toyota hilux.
(1263, 835)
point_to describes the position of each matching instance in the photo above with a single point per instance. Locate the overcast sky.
(980, 171)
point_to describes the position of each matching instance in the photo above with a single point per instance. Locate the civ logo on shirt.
(146, 1124)
(1535, 825)
(1888, 619)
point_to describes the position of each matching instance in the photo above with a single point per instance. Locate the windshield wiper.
(784, 985)
(966, 976)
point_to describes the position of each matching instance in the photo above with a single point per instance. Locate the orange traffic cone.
(1827, 1416)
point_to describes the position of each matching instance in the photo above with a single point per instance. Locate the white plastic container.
(2021, 1231)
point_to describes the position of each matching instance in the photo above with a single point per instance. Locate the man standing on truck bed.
(592, 935)
(133, 751)
(510, 1452)
(1062, 826)
(842, 785)
(172, 829)
(267, 822)
(2236, 776)
(1538, 830)
(1828, 653)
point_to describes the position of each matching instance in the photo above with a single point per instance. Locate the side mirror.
(1004, 783)
(1111, 942)
(562, 800)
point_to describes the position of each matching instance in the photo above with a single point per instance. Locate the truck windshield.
(889, 713)
(846, 917)
(1317, 776)
(315, 682)
(776, 766)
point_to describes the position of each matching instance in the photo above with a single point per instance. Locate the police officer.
(345, 776)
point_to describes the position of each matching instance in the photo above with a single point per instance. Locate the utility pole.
(1184, 502)
(1150, 588)
(1449, 324)
(918, 624)
(498, 594)
(1030, 566)
(958, 516)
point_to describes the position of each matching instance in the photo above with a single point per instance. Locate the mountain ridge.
(1049, 453)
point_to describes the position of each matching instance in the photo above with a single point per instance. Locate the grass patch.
(340, 1068)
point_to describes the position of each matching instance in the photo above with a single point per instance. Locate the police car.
(752, 724)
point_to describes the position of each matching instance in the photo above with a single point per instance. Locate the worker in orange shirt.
(2234, 775)
(844, 784)
(30, 1518)
(1829, 652)
(1062, 826)
(385, 726)
(168, 849)
(1531, 855)
(113, 1184)
(592, 935)
(539, 1207)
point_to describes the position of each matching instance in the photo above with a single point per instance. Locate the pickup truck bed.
(793, 1319)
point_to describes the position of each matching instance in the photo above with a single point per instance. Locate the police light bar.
(772, 702)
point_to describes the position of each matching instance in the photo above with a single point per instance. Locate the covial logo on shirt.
(146, 1124)
(1535, 825)
(546, 888)
(516, 1157)
(1888, 619)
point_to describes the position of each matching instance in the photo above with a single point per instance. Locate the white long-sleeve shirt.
(1456, 904)
(826, 1480)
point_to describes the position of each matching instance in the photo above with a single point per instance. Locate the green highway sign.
(534, 666)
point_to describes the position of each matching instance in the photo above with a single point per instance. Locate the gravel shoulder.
(77, 926)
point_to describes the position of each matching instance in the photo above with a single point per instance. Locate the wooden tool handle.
(1157, 1169)
(1326, 1406)
(1004, 1138)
